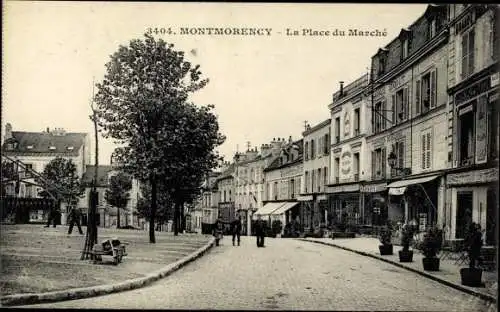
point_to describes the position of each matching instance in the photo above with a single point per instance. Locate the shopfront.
(373, 203)
(344, 203)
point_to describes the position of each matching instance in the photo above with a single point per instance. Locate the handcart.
(109, 247)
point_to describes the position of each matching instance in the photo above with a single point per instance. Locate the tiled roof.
(43, 143)
(276, 164)
(102, 175)
(228, 173)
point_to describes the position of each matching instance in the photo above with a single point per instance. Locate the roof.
(102, 175)
(40, 143)
(276, 163)
(228, 173)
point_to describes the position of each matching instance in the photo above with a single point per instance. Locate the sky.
(263, 87)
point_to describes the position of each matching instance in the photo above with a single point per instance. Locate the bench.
(110, 247)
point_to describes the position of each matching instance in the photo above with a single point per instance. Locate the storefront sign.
(481, 135)
(346, 160)
(321, 197)
(473, 177)
(472, 91)
(373, 188)
(495, 79)
(305, 198)
(343, 188)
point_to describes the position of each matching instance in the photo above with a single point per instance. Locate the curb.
(473, 292)
(93, 291)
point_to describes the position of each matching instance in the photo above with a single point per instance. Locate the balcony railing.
(466, 161)
(356, 177)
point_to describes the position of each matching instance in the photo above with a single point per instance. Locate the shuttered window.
(426, 152)
(417, 97)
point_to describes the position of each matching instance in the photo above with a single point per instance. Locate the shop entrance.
(464, 213)
(491, 217)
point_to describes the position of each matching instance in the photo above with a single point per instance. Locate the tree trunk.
(153, 210)
(181, 217)
(117, 218)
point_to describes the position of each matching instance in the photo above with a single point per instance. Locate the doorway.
(464, 213)
(491, 217)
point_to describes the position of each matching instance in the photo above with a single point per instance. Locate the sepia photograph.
(249, 156)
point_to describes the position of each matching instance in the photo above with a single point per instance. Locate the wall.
(321, 160)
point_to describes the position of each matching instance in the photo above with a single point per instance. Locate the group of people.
(235, 230)
(74, 217)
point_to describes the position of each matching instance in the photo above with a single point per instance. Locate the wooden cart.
(110, 248)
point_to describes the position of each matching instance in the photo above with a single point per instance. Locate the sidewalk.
(448, 274)
(43, 264)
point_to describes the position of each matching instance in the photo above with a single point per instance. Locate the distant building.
(36, 149)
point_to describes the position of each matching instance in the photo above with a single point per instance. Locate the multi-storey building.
(316, 175)
(473, 79)
(408, 140)
(225, 186)
(36, 149)
(249, 180)
(349, 113)
(283, 179)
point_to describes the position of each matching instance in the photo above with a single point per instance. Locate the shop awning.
(268, 208)
(399, 187)
(284, 208)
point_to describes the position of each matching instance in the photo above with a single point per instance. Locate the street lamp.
(392, 159)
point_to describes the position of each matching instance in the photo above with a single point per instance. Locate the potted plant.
(406, 255)
(276, 226)
(471, 276)
(385, 238)
(430, 248)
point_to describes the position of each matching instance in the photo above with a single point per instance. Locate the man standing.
(74, 217)
(236, 229)
(260, 231)
(52, 215)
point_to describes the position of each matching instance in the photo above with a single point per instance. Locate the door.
(491, 216)
(464, 213)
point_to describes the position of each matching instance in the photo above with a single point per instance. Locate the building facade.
(283, 180)
(408, 140)
(349, 115)
(473, 78)
(36, 149)
(316, 174)
(225, 186)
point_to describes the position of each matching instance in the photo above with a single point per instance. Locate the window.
(292, 188)
(337, 169)
(426, 92)
(400, 106)
(320, 147)
(432, 28)
(313, 180)
(230, 195)
(467, 54)
(312, 149)
(224, 195)
(325, 176)
(326, 144)
(381, 65)
(356, 122)
(426, 149)
(306, 182)
(379, 116)
(466, 135)
(275, 190)
(306, 149)
(379, 163)
(404, 49)
(319, 180)
(337, 130)
(398, 149)
(493, 131)
(356, 167)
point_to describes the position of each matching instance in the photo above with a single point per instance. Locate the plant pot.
(431, 264)
(385, 250)
(471, 276)
(406, 256)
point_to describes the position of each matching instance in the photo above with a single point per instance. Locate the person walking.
(74, 218)
(236, 229)
(260, 228)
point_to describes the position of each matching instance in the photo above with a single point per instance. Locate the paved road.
(287, 274)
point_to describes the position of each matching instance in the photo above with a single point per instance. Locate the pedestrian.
(260, 231)
(74, 218)
(218, 230)
(236, 229)
(52, 215)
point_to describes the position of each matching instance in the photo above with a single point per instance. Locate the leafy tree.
(165, 208)
(117, 194)
(8, 175)
(143, 104)
(62, 181)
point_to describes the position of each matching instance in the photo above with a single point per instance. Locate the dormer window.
(52, 148)
(404, 37)
(432, 28)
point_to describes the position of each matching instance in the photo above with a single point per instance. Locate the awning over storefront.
(399, 187)
(284, 208)
(268, 209)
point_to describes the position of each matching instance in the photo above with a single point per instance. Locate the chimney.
(290, 139)
(48, 130)
(341, 93)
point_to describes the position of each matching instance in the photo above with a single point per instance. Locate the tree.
(143, 105)
(164, 204)
(117, 194)
(62, 181)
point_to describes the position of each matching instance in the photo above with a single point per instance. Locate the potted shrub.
(277, 227)
(430, 248)
(385, 238)
(471, 276)
(406, 255)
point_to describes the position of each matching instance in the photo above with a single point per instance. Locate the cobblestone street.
(287, 274)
